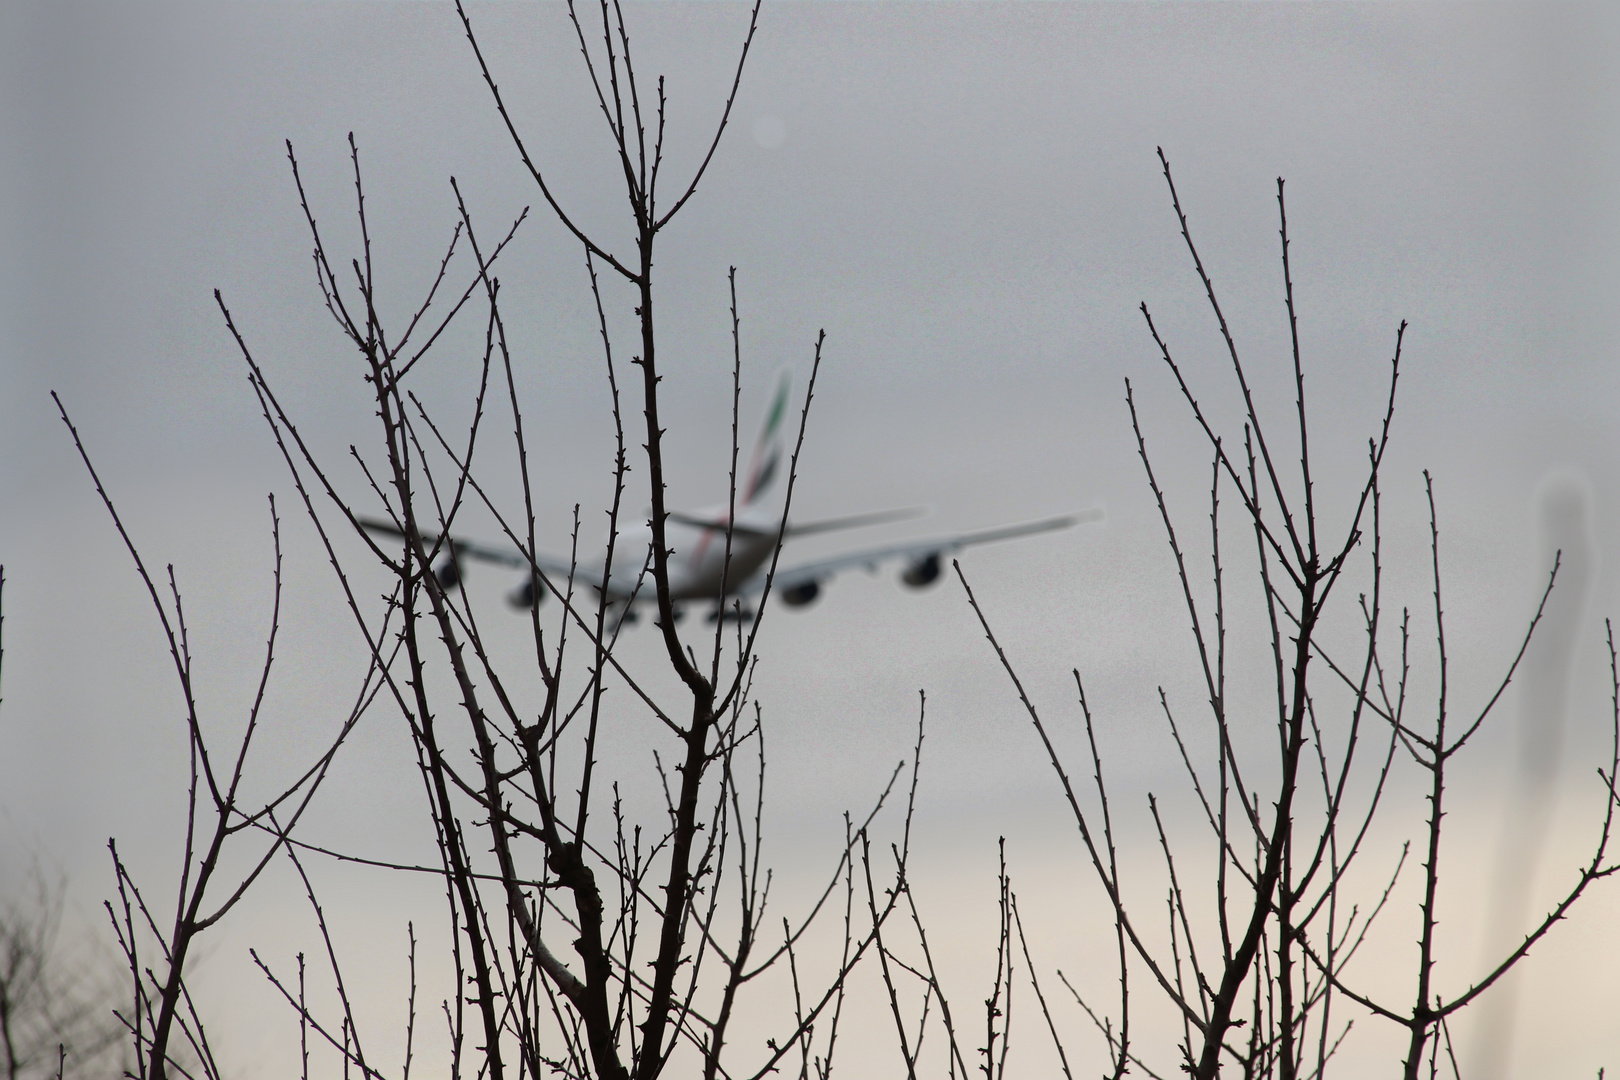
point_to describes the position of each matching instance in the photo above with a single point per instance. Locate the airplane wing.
(449, 573)
(719, 523)
(800, 584)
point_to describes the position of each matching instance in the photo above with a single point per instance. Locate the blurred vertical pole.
(1563, 509)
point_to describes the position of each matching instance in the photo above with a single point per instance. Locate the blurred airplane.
(702, 569)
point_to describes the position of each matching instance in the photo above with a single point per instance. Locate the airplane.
(699, 569)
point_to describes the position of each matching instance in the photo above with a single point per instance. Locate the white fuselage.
(698, 564)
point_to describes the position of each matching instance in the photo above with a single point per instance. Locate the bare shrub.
(588, 942)
(1256, 964)
(56, 990)
(55, 995)
(667, 920)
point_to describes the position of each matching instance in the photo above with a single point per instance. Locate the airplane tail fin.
(769, 448)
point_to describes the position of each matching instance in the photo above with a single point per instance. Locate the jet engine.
(922, 572)
(802, 593)
(531, 594)
(448, 574)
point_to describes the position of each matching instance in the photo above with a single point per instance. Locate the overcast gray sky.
(966, 198)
